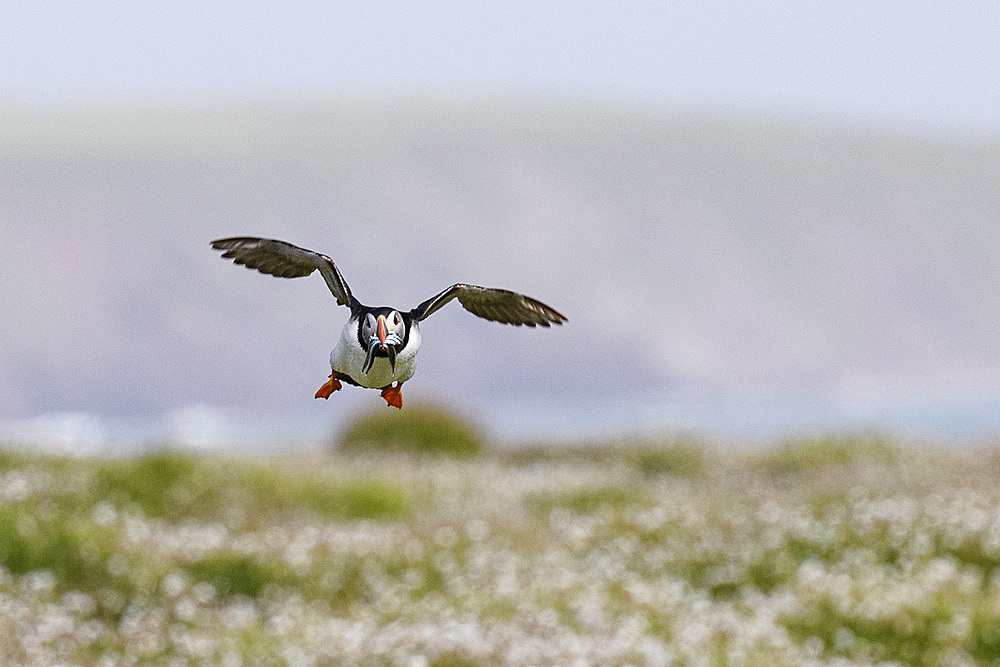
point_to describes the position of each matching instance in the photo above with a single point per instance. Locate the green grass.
(681, 458)
(171, 485)
(913, 636)
(238, 575)
(454, 659)
(985, 644)
(586, 500)
(28, 544)
(11, 459)
(853, 546)
(675, 457)
(158, 484)
(810, 454)
(290, 491)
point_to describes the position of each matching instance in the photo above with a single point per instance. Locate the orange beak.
(382, 330)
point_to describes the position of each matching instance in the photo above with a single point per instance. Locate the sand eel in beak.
(378, 346)
(383, 340)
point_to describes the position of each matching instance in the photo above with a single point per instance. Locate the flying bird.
(378, 345)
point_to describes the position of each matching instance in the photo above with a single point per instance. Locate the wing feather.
(284, 260)
(497, 305)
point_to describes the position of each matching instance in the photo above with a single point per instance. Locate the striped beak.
(382, 331)
(382, 339)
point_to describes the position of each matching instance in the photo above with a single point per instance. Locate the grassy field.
(848, 550)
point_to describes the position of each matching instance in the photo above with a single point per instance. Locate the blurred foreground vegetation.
(831, 549)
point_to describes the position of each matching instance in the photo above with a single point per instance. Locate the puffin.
(378, 346)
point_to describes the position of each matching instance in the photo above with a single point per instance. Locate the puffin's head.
(382, 331)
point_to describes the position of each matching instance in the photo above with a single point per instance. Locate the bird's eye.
(370, 321)
(395, 319)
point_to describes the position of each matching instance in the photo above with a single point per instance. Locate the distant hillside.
(711, 252)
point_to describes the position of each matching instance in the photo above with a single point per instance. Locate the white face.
(393, 323)
(383, 334)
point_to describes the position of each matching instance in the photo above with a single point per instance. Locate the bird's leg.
(331, 385)
(393, 395)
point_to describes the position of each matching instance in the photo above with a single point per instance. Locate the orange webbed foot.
(393, 396)
(332, 385)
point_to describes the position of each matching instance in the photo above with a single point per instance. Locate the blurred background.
(759, 217)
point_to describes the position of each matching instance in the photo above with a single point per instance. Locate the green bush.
(415, 430)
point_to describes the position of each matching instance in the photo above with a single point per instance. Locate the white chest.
(348, 357)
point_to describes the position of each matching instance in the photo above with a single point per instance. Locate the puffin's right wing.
(498, 305)
(282, 259)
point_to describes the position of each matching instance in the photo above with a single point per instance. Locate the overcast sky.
(927, 65)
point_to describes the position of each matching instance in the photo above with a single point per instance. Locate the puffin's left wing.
(282, 259)
(498, 305)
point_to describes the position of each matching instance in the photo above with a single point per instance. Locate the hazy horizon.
(724, 273)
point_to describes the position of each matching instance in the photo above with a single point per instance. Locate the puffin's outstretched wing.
(285, 260)
(498, 305)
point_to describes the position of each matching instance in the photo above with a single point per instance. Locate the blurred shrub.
(795, 456)
(414, 429)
